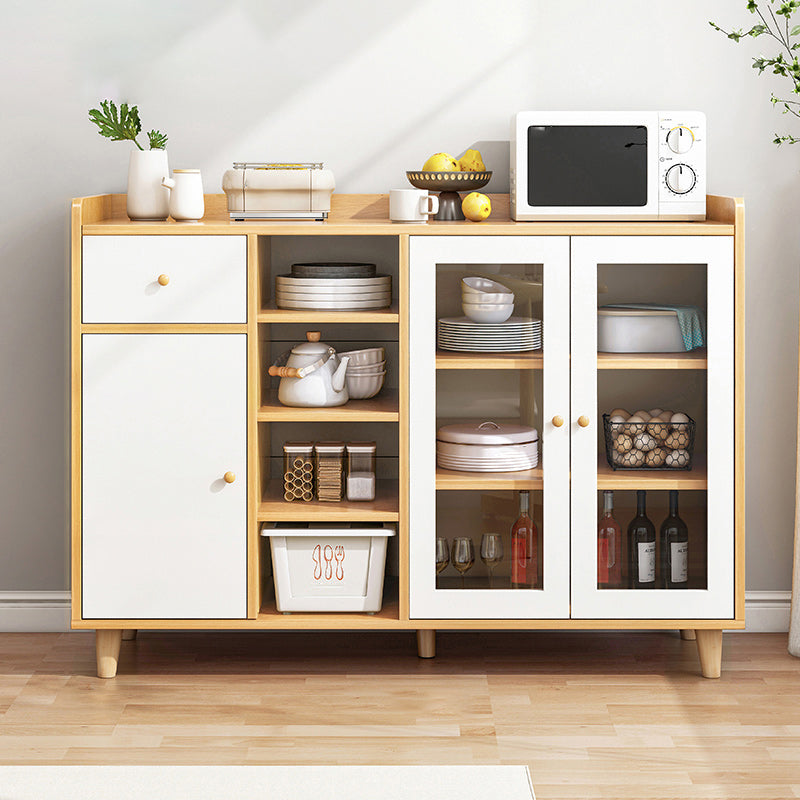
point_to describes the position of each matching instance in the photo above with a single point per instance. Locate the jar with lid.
(329, 469)
(298, 471)
(361, 471)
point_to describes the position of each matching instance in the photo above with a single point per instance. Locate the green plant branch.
(123, 124)
(787, 67)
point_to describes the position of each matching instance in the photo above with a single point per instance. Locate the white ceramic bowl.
(485, 312)
(484, 285)
(367, 369)
(362, 387)
(369, 355)
(487, 297)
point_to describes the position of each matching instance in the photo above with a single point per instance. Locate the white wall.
(371, 88)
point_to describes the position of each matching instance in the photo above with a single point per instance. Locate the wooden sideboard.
(173, 327)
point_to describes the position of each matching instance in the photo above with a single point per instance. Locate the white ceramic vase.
(186, 195)
(147, 198)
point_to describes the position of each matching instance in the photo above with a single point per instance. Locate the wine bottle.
(642, 547)
(674, 548)
(524, 548)
(609, 547)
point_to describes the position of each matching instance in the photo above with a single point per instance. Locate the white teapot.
(313, 375)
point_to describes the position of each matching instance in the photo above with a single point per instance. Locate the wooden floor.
(593, 715)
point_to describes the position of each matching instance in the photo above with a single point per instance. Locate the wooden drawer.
(204, 277)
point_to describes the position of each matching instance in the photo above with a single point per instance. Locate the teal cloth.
(690, 319)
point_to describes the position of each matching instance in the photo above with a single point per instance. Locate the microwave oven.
(608, 165)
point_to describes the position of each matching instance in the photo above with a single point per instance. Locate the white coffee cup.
(411, 205)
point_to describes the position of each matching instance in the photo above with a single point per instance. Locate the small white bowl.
(486, 297)
(380, 366)
(484, 285)
(369, 355)
(479, 312)
(362, 387)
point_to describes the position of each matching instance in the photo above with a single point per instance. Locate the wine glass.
(491, 552)
(462, 556)
(442, 554)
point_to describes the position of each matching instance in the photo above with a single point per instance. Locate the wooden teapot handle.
(283, 372)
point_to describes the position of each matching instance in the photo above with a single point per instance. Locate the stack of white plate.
(487, 447)
(514, 335)
(333, 294)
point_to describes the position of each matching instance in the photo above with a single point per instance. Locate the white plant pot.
(147, 198)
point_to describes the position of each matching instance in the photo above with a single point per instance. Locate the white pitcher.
(147, 198)
(185, 195)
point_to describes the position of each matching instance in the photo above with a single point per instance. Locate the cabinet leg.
(129, 634)
(426, 644)
(107, 644)
(687, 635)
(709, 648)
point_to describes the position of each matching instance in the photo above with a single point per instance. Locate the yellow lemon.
(471, 161)
(440, 162)
(476, 206)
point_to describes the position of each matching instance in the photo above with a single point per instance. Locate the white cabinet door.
(524, 387)
(204, 279)
(164, 417)
(687, 270)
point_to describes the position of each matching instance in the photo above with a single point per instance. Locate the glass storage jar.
(298, 471)
(329, 470)
(361, 471)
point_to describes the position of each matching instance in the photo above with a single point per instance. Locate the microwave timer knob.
(681, 179)
(680, 139)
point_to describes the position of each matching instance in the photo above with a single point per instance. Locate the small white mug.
(411, 205)
(186, 195)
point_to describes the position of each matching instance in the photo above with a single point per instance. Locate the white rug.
(266, 783)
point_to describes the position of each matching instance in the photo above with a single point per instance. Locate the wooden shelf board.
(695, 478)
(449, 480)
(382, 408)
(694, 359)
(384, 508)
(276, 315)
(387, 617)
(368, 215)
(450, 360)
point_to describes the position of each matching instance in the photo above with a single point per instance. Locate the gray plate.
(333, 269)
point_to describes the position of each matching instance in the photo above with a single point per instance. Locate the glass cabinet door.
(508, 382)
(652, 427)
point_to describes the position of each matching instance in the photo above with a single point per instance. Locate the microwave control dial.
(680, 139)
(681, 178)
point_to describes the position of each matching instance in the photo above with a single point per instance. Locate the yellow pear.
(476, 206)
(440, 162)
(471, 161)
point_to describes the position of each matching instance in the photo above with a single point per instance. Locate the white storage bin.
(328, 566)
(633, 330)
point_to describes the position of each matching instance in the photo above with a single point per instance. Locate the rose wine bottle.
(642, 547)
(524, 548)
(609, 547)
(674, 548)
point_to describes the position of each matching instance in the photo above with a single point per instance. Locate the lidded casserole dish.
(487, 447)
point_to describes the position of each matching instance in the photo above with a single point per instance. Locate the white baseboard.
(767, 612)
(34, 612)
(42, 612)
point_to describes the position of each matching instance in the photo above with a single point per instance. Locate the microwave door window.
(578, 166)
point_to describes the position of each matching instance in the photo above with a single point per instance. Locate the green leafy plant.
(124, 124)
(775, 23)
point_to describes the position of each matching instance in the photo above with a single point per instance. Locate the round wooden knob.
(163, 279)
(558, 421)
(313, 336)
(583, 421)
(229, 477)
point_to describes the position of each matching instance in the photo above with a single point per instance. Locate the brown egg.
(623, 443)
(635, 458)
(657, 428)
(656, 457)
